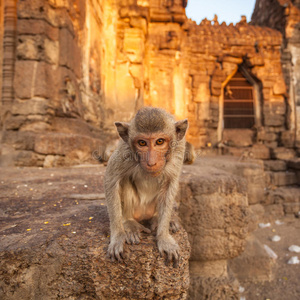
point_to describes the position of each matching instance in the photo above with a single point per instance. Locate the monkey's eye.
(142, 143)
(160, 141)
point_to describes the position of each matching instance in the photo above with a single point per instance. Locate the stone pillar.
(9, 47)
(214, 211)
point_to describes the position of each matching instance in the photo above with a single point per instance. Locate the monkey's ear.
(181, 127)
(123, 130)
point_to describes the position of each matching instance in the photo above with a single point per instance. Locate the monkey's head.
(152, 135)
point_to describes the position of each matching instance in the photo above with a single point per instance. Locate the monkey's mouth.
(153, 172)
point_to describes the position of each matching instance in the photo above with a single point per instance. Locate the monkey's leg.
(133, 231)
(174, 223)
(117, 232)
(165, 242)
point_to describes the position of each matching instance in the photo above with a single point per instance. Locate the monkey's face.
(152, 151)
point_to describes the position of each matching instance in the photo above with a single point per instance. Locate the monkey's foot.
(174, 224)
(169, 246)
(116, 247)
(133, 231)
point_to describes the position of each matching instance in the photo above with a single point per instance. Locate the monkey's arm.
(165, 242)
(114, 208)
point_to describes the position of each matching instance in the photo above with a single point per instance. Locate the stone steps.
(286, 197)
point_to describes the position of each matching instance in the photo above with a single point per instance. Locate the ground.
(286, 278)
(68, 190)
(54, 235)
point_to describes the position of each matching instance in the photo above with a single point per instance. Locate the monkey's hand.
(116, 247)
(174, 224)
(169, 246)
(133, 231)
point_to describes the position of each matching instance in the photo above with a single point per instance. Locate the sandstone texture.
(213, 208)
(55, 233)
(54, 237)
(73, 68)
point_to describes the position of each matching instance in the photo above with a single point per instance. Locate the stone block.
(271, 145)
(216, 91)
(257, 60)
(216, 84)
(294, 163)
(291, 208)
(214, 211)
(37, 26)
(279, 87)
(275, 165)
(201, 93)
(274, 120)
(273, 212)
(239, 152)
(52, 161)
(36, 9)
(64, 144)
(69, 52)
(210, 280)
(254, 264)
(284, 195)
(266, 94)
(198, 79)
(253, 175)
(278, 106)
(266, 136)
(140, 23)
(28, 158)
(238, 137)
(51, 51)
(7, 155)
(44, 81)
(36, 126)
(134, 44)
(30, 107)
(256, 193)
(283, 153)
(23, 79)
(19, 140)
(66, 42)
(288, 139)
(283, 178)
(73, 249)
(134, 11)
(34, 78)
(28, 47)
(75, 126)
(260, 151)
(14, 122)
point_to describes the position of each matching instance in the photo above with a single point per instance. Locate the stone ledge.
(53, 245)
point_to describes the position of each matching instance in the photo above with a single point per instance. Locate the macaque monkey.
(141, 180)
(189, 154)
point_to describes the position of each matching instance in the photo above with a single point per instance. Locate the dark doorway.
(238, 103)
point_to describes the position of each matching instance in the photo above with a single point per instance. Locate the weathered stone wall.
(215, 213)
(76, 67)
(285, 17)
(52, 108)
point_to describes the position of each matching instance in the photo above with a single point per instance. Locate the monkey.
(189, 154)
(141, 181)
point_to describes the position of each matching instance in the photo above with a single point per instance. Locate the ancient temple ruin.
(69, 69)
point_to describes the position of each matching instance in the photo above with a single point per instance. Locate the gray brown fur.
(150, 120)
(129, 187)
